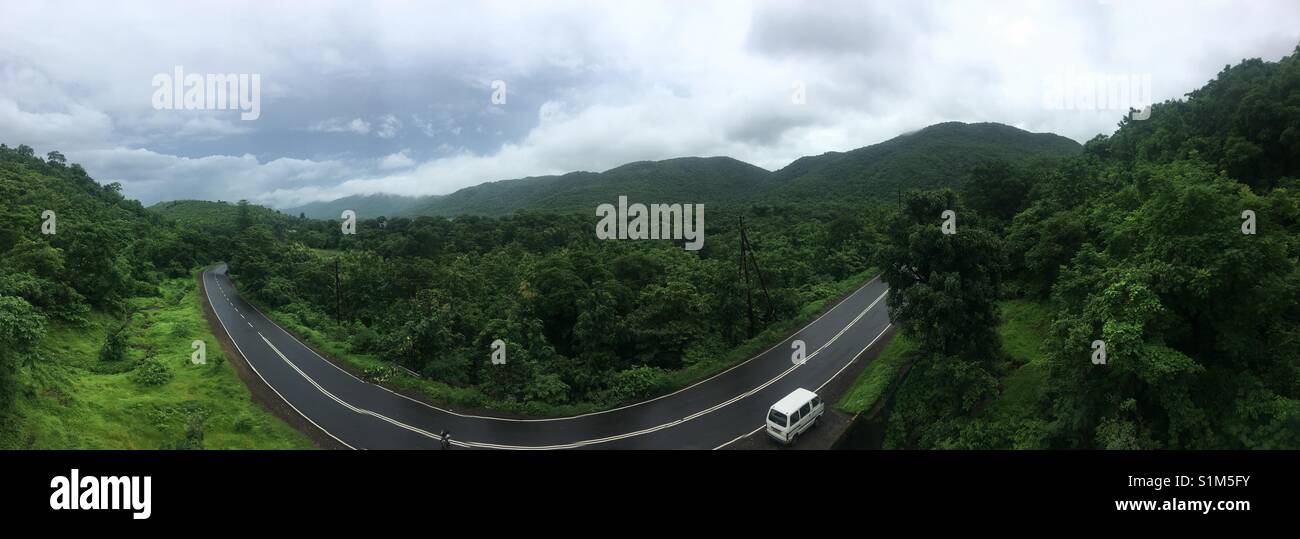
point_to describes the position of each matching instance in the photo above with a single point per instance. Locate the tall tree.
(21, 328)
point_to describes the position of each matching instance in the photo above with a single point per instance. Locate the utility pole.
(744, 277)
(749, 248)
(747, 251)
(338, 294)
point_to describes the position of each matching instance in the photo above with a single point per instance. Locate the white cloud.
(340, 125)
(396, 160)
(592, 85)
(389, 125)
(214, 177)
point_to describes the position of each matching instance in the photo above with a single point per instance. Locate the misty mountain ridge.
(932, 157)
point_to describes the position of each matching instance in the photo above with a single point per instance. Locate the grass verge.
(875, 378)
(1024, 327)
(154, 397)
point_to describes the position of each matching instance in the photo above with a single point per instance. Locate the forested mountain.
(934, 157)
(366, 206)
(937, 156)
(713, 181)
(1168, 258)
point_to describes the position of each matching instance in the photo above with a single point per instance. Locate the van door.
(805, 415)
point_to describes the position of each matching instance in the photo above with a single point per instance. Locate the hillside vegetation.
(98, 313)
(938, 156)
(588, 323)
(1173, 243)
(713, 181)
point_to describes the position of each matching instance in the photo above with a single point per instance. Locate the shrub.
(193, 436)
(151, 372)
(114, 348)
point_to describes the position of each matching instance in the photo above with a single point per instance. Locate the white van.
(793, 415)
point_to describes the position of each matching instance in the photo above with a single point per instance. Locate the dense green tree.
(256, 257)
(943, 287)
(1184, 302)
(21, 328)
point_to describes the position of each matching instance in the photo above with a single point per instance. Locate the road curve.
(707, 415)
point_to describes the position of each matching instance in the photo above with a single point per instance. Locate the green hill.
(934, 157)
(1167, 250)
(99, 247)
(710, 180)
(219, 215)
(98, 312)
(366, 206)
(937, 156)
(212, 228)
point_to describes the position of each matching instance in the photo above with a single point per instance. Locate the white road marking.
(567, 418)
(259, 374)
(345, 404)
(745, 435)
(580, 443)
(819, 388)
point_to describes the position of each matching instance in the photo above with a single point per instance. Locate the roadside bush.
(151, 372)
(363, 340)
(636, 383)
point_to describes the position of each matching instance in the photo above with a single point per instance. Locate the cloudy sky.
(397, 97)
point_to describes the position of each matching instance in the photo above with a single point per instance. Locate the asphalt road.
(708, 415)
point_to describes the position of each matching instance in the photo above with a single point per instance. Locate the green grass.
(468, 396)
(1025, 325)
(1023, 328)
(71, 399)
(871, 385)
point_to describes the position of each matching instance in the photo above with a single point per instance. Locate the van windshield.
(776, 417)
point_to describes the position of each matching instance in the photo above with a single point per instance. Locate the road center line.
(576, 444)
